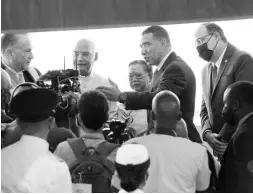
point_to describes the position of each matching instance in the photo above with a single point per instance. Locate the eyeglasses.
(137, 75)
(203, 39)
(83, 54)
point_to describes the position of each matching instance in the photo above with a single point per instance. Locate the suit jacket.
(234, 175)
(236, 66)
(176, 76)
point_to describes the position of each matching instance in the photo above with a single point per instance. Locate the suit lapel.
(156, 78)
(224, 63)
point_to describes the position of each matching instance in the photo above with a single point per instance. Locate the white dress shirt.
(16, 78)
(218, 62)
(28, 166)
(93, 81)
(163, 60)
(177, 165)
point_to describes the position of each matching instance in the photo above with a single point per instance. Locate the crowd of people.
(166, 152)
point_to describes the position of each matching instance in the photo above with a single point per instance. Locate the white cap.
(132, 154)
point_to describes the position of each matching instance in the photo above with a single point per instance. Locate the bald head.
(85, 45)
(166, 107)
(84, 56)
(181, 129)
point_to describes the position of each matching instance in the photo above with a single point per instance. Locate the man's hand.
(73, 100)
(112, 93)
(219, 147)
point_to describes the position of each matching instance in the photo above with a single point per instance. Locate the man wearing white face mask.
(226, 65)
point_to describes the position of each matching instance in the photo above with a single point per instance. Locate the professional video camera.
(118, 132)
(61, 81)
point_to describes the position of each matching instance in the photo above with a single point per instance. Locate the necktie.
(214, 75)
(154, 77)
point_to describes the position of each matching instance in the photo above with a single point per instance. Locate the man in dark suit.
(16, 57)
(227, 65)
(235, 176)
(172, 74)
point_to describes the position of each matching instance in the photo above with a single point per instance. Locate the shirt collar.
(17, 74)
(36, 142)
(10, 69)
(89, 76)
(163, 60)
(243, 119)
(218, 62)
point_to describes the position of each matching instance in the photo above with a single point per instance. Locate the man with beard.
(16, 57)
(226, 65)
(85, 56)
(172, 74)
(235, 176)
(140, 75)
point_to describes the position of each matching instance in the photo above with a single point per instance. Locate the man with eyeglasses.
(172, 74)
(226, 65)
(140, 75)
(84, 58)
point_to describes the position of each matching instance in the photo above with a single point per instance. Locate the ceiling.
(52, 15)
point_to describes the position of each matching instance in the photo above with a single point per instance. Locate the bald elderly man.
(178, 165)
(84, 58)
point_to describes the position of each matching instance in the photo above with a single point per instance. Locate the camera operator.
(13, 131)
(84, 58)
(91, 149)
(27, 165)
(93, 113)
(16, 57)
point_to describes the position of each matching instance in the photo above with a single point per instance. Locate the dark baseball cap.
(33, 104)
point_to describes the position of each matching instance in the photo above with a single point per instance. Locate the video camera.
(118, 132)
(61, 81)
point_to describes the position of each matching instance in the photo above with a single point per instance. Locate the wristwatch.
(122, 97)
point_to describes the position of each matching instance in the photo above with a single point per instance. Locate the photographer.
(27, 165)
(91, 149)
(12, 132)
(93, 113)
(16, 58)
